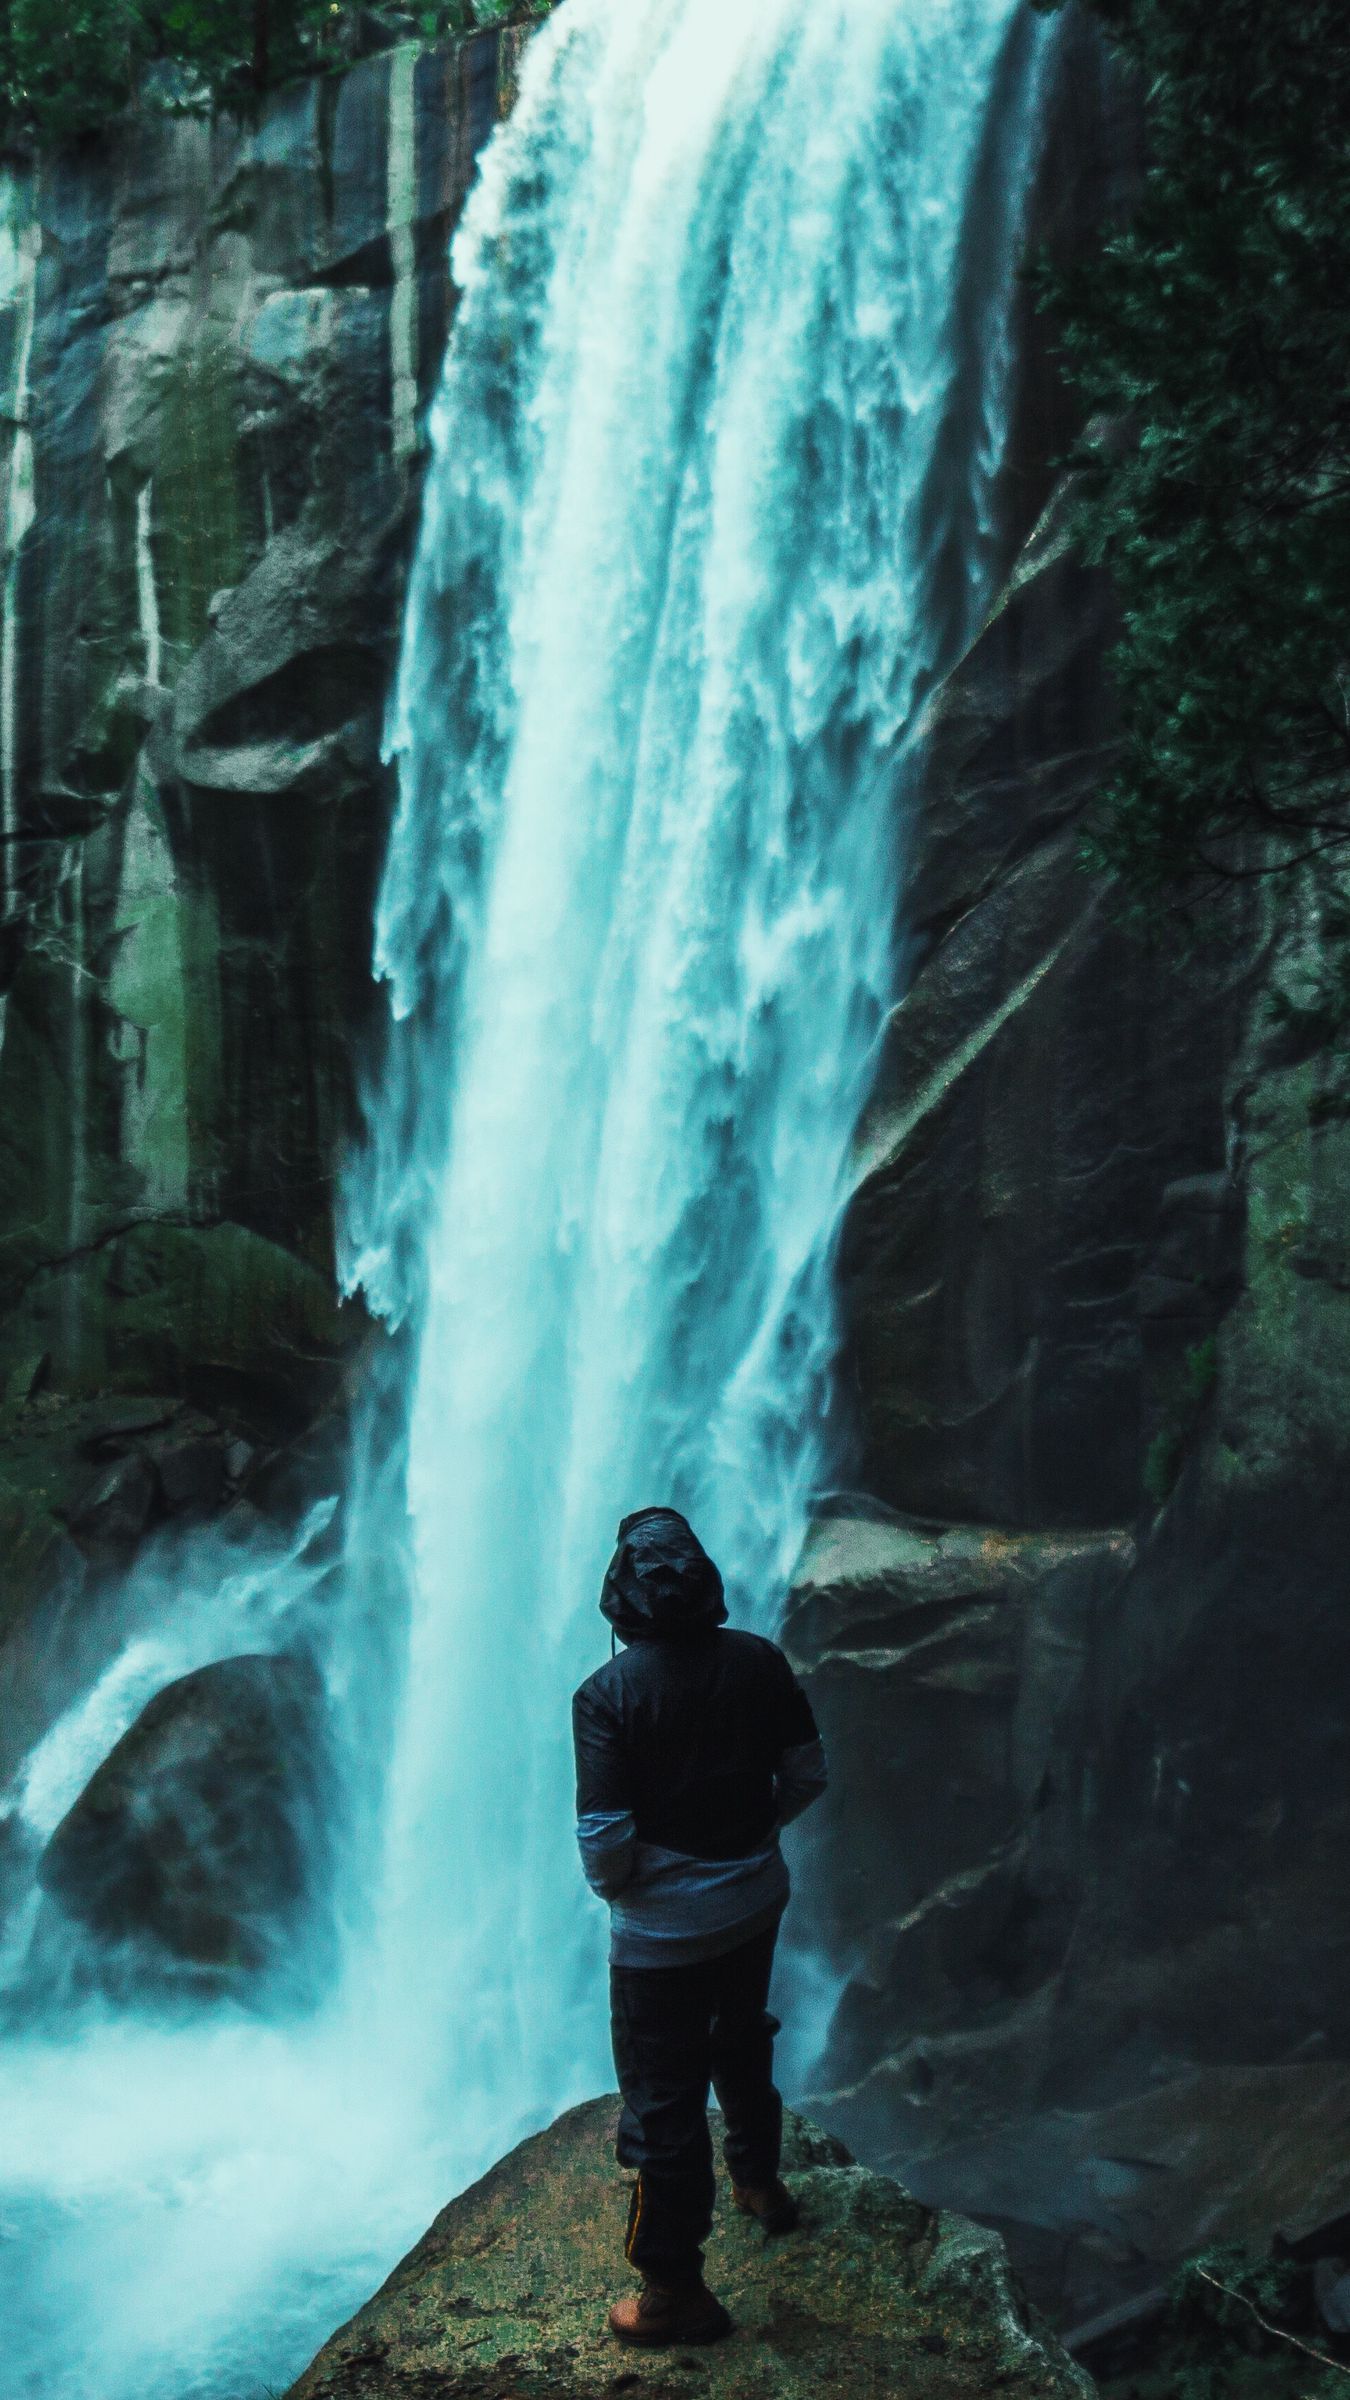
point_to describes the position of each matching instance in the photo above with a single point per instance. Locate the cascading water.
(709, 510)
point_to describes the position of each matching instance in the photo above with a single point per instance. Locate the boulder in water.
(506, 2297)
(197, 1837)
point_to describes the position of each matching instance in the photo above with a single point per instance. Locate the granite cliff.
(1077, 1628)
(216, 335)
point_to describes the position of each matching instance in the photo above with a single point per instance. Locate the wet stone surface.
(505, 2298)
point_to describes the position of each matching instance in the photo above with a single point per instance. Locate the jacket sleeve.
(606, 1831)
(801, 1775)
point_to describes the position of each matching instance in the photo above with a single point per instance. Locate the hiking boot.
(659, 2315)
(770, 2204)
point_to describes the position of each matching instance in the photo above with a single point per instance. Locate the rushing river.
(710, 507)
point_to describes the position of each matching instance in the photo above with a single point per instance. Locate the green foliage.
(64, 69)
(1202, 1370)
(1238, 2327)
(452, 17)
(1162, 1459)
(1162, 1464)
(1221, 2286)
(230, 43)
(1212, 334)
(1316, 1012)
(1229, 2307)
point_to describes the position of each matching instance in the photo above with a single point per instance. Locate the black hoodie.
(687, 1729)
(661, 1585)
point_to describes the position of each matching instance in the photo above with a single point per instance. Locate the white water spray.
(709, 511)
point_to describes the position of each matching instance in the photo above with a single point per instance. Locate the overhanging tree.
(1213, 331)
(66, 68)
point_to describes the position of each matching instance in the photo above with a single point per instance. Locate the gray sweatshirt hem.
(631, 1947)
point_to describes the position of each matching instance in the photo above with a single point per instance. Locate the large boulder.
(948, 1667)
(505, 2298)
(195, 1845)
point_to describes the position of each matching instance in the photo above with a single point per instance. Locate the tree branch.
(1275, 2331)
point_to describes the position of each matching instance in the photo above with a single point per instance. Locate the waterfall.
(710, 510)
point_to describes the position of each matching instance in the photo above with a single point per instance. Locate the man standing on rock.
(694, 1747)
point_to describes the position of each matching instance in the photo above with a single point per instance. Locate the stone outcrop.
(505, 2298)
(217, 336)
(193, 1853)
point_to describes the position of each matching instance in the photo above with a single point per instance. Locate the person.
(695, 1745)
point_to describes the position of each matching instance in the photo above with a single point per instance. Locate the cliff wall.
(215, 338)
(1076, 1636)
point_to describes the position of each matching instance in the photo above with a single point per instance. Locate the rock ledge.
(873, 2298)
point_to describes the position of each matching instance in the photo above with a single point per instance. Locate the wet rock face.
(948, 1666)
(1075, 1633)
(198, 1843)
(1080, 1866)
(506, 2296)
(216, 340)
(1022, 1262)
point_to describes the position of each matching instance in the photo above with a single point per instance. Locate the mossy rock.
(506, 2297)
(218, 1313)
(39, 1557)
(195, 1842)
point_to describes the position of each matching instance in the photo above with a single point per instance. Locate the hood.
(661, 1584)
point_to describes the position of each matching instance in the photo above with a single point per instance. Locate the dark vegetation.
(1210, 340)
(65, 67)
(1191, 1386)
(1238, 2326)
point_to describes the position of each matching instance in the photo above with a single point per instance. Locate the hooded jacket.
(661, 1585)
(693, 1746)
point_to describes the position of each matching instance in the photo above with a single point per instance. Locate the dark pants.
(677, 2029)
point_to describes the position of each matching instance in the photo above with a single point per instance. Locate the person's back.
(694, 1746)
(705, 1724)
